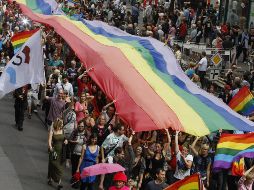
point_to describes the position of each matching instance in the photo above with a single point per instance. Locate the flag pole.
(44, 73)
(200, 184)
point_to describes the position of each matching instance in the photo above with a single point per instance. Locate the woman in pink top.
(246, 181)
(81, 107)
(120, 179)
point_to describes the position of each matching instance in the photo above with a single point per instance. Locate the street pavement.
(23, 155)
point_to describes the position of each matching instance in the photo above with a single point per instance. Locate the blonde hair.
(192, 64)
(204, 146)
(83, 94)
(58, 124)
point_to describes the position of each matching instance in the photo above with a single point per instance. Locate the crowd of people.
(83, 124)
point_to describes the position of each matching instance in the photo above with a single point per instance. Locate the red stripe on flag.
(185, 181)
(22, 35)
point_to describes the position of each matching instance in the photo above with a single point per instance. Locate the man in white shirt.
(202, 67)
(114, 140)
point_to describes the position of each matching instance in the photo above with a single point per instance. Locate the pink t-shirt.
(79, 111)
(123, 188)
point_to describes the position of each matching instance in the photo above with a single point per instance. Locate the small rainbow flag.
(231, 148)
(189, 183)
(20, 38)
(243, 102)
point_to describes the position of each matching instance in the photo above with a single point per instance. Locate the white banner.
(26, 67)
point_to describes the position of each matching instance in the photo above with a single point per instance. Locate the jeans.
(74, 163)
(87, 186)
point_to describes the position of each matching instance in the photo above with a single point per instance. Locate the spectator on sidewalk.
(202, 67)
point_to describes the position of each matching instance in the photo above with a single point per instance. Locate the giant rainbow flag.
(141, 74)
(231, 148)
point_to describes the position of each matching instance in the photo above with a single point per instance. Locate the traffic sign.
(216, 59)
(214, 74)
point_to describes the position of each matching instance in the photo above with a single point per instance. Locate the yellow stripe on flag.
(190, 186)
(21, 41)
(234, 145)
(243, 103)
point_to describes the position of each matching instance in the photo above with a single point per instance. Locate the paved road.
(23, 155)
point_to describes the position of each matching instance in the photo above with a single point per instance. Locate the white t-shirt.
(181, 170)
(202, 64)
(112, 141)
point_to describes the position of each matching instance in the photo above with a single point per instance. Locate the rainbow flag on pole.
(20, 38)
(189, 183)
(243, 102)
(231, 148)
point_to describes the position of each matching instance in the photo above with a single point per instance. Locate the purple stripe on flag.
(219, 164)
(222, 164)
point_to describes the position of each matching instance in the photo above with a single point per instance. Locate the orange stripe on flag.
(239, 138)
(241, 105)
(21, 35)
(188, 183)
(240, 97)
(21, 41)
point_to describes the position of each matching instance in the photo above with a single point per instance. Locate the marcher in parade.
(56, 141)
(20, 106)
(155, 159)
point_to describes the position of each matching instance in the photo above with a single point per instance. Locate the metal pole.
(249, 12)
(226, 11)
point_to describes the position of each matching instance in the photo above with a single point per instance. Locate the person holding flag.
(183, 160)
(26, 67)
(20, 96)
(247, 179)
